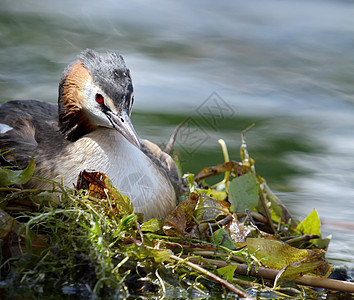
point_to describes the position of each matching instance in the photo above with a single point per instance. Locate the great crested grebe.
(94, 132)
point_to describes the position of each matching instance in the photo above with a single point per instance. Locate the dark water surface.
(287, 66)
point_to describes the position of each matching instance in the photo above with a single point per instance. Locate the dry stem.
(212, 276)
(242, 269)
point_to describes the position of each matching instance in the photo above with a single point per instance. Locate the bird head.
(96, 91)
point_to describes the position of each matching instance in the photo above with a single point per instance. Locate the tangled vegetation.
(234, 238)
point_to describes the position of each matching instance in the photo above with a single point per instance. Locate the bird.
(90, 129)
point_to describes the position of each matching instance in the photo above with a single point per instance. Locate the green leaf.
(311, 225)
(151, 225)
(209, 208)
(8, 176)
(274, 254)
(127, 222)
(244, 193)
(294, 262)
(313, 264)
(28, 239)
(324, 243)
(190, 180)
(222, 238)
(141, 252)
(227, 272)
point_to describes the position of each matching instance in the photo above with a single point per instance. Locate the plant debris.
(235, 237)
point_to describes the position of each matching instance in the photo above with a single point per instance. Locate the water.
(287, 66)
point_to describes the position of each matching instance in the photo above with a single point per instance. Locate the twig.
(265, 207)
(331, 284)
(170, 143)
(223, 221)
(212, 276)
(162, 284)
(326, 283)
(255, 215)
(219, 254)
(302, 238)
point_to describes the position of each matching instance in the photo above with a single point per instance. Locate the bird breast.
(128, 168)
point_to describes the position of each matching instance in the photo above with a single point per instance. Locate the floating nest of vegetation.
(234, 239)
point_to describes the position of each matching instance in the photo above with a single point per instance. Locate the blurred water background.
(219, 66)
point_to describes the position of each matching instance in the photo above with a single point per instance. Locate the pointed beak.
(122, 123)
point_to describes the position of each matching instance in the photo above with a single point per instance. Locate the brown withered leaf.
(93, 182)
(220, 169)
(176, 222)
(99, 186)
(8, 224)
(238, 232)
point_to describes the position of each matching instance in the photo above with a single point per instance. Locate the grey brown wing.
(163, 160)
(25, 127)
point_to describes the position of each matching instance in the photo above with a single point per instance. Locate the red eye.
(99, 99)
